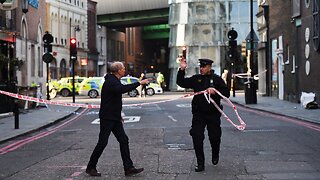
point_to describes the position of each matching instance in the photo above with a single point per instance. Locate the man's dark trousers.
(199, 122)
(116, 127)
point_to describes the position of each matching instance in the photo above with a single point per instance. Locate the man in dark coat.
(111, 120)
(204, 114)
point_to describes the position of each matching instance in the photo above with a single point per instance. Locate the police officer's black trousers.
(199, 122)
(116, 127)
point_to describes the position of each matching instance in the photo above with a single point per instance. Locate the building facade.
(67, 19)
(93, 55)
(293, 56)
(29, 44)
(101, 39)
(201, 27)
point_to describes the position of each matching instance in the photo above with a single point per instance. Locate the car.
(91, 87)
(65, 85)
(152, 88)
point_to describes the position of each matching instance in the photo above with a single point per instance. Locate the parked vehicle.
(53, 88)
(91, 87)
(152, 88)
(65, 85)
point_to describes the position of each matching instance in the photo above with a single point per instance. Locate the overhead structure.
(116, 14)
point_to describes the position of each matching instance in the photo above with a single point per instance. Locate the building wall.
(308, 80)
(31, 27)
(134, 54)
(293, 31)
(92, 44)
(115, 46)
(101, 37)
(66, 20)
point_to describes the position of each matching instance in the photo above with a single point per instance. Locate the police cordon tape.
(91, 106)
(242, 125)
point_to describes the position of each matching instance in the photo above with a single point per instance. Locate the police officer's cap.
(205, 61)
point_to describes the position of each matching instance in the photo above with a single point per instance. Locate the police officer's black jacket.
(200, 82)
(111, 98)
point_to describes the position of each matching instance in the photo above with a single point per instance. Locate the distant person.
(111, 120)
(160, 80)
(143, 87)
(204, 114)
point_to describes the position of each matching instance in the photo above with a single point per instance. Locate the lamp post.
(268, 62)
(73, 56)
(250, 85)
(24, 8)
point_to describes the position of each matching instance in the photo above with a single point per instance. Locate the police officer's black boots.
(215, 160)
(199, 168)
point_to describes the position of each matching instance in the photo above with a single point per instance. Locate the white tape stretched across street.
(209, 99)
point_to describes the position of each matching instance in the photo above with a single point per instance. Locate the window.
(63, 68)
(316, 25)
(296, 8)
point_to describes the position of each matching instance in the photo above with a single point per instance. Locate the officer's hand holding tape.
(211, 90)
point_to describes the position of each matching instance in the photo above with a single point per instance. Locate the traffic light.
(232, 49)
(73, 49)
(232, 44)
(244, 49)
(47, 40)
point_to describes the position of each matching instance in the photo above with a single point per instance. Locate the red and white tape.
(242, 125)
(90, 106)
(33, 99)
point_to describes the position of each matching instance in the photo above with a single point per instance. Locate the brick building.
(293, 48)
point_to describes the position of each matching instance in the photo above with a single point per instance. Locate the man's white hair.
(116, 66)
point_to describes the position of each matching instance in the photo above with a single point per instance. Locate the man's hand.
(183, 64)
(211, 90)
(143, 82)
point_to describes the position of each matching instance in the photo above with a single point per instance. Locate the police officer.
(204, 114)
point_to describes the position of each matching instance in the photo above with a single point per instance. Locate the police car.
(65, 85)
(91, 87)
(152, 88)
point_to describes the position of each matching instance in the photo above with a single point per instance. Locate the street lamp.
(265, 7)
(250, 86)
(24, 7)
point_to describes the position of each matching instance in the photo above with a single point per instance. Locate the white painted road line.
(173, 119)
(184, 105)
(127, 119)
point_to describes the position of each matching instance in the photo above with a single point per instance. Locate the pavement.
(39, 118)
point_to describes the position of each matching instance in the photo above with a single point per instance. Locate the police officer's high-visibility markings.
(184, 105)
(127, 119)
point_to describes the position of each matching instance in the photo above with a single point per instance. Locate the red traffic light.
(73, 41)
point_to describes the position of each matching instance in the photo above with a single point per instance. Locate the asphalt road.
(271, 146)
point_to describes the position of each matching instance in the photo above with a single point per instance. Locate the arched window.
(53, 69)
(63, 68)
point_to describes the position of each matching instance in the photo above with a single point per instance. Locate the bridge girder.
(136, 18)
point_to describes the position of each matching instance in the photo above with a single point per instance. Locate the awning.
(7, 37)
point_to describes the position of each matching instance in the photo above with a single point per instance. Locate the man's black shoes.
(199, 168)
(132, 171)
(93, 172)
(215, 160)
